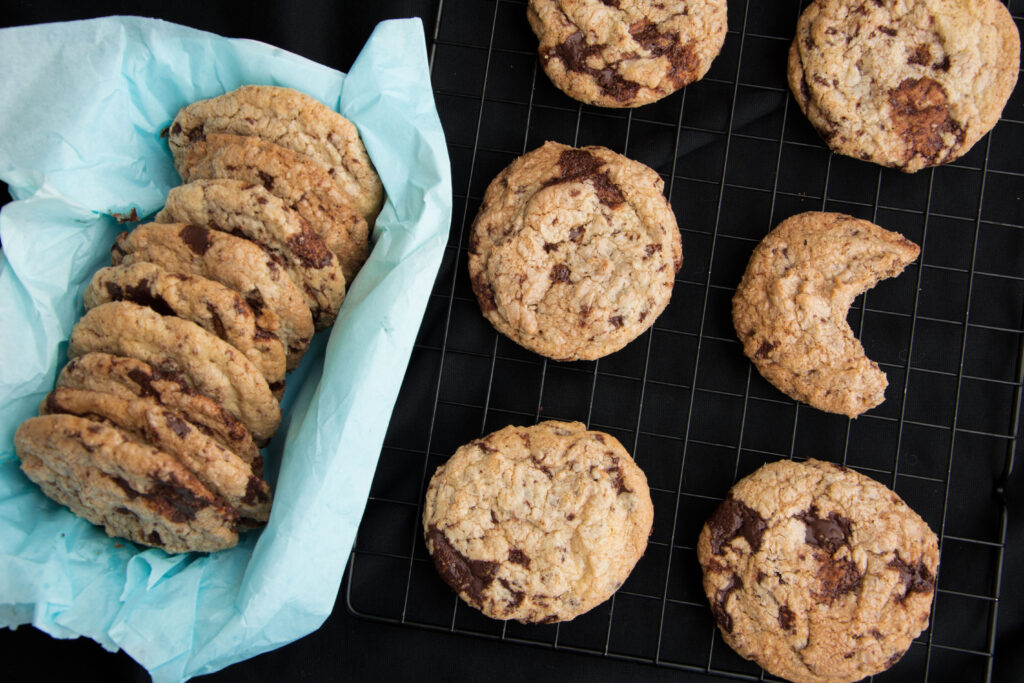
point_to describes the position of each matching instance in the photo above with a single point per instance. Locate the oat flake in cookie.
(538, 524)
(790, 307)
(907, 83)
(574, 252)
(818, 573)
(626, 53)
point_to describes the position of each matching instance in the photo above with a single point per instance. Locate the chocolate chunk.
(829, 533)
(576, 234)
(921, 55)
(144, 381)
(916, 578)
(560, 273)
(574, 53)
(517, 595)
(837, 577)
(126, 487)
(218, 324)
(174, 501)
(517, 556)
(787, 619)
(154, 538)
(765, 348)
(196, 134)
(733, 518)
(267, 179)
(887, 30)
(484, 293)
(177, 425)
(650, 249)
(718, 606)
(309, 249)
(467, 576)
(142, 294)
(255, 492)
(197, 238)
(616, 321)
(579, 165)
(920, 115)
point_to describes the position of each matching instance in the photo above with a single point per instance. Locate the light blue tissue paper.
(84, 104)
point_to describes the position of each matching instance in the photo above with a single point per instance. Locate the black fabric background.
(347, 647)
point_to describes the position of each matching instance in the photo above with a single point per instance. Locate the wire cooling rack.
(737, 157)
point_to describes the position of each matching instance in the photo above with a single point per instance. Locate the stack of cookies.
(153, 431)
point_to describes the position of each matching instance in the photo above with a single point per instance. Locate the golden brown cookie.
(132, 490)
(302, 184)
(574, 252)
(250, 211)
(790, 307)
(538, 524)
(213, 367)
(294, 121)
(904, 84)
(626, 53)
(818, 573)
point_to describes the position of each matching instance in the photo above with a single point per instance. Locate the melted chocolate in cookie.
(461, 573)
(733, 518)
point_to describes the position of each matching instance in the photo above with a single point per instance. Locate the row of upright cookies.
(179, 363)
(813, 570)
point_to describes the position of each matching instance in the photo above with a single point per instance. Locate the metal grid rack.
(737, 157)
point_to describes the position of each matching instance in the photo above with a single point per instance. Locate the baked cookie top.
(249, 210)
(235, 262)
(132, 490)
(207, 303)
(213, 367)
(908, 83)
(133, 379)
(292, 120)
(537, 524)
(790, 307)
(818, 573)
(574, 252)
(301, 183)
(626, 53)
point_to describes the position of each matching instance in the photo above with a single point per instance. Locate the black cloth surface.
(347, 646)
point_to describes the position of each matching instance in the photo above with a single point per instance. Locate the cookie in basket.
(538, 524)
(303, 185)
(574, 252)
(817, 572)
(909, 84)
(292, 120)
(212, 366)
(250, 211)
(626, 53)
(790, 308)
(132, 490)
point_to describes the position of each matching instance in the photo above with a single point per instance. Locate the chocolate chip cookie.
(132, 490)
(626, 53)
(294, 121)
(250, 211)
(574, 252)
(133, 379)
(235, 262)
(207, 303)
(302, 184)
(211, 365)
(537, 524)
(223, 472)
(818, 573)
(790, 307)
(908, 84)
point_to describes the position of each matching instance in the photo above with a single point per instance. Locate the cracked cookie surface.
(209, 304)
(250, 211)
(232, 261)
(626, 53)
(213, 366)
(790, 308)
(574, 252)
(292, 120)
(906, 84)
(538, 524)
(817, 572)
(302, 184)
(132, 490)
